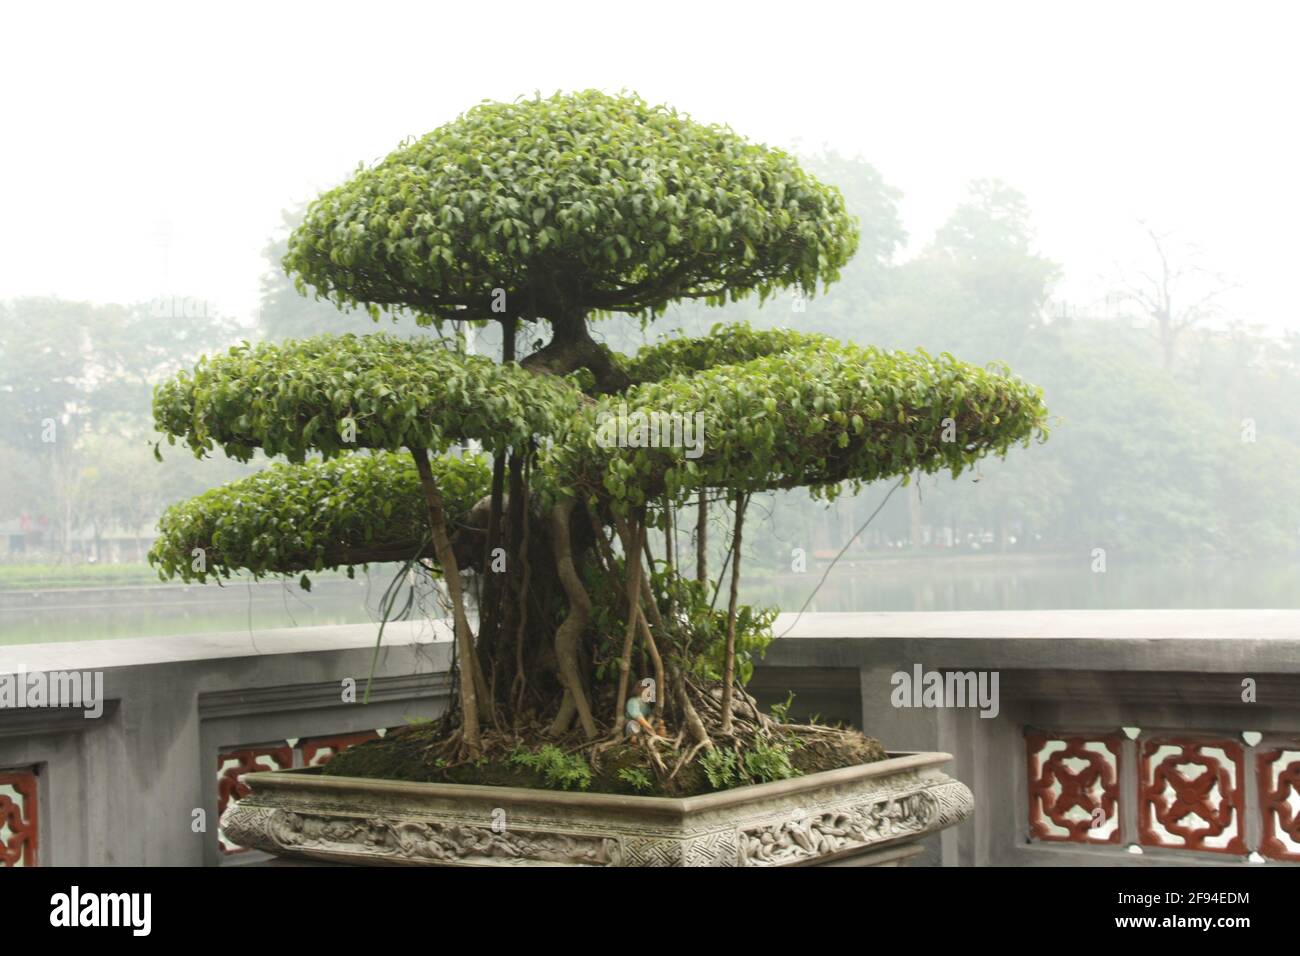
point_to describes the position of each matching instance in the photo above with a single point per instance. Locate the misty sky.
(149, 149)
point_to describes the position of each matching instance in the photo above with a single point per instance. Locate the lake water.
(913, 584)
(994, 583)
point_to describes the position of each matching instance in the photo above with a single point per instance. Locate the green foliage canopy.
(570, 204)
(726, 344)
(336, 394)
(312, 516)
(815, 416)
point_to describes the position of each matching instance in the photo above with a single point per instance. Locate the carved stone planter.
(865, 815)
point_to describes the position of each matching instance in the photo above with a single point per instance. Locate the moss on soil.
(405, 754)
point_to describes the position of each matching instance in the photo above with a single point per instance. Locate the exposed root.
(471, 675)
(570, 631)
(689, 756)
(633, 538)
(520, 684)
(690, 716)
(564, 717)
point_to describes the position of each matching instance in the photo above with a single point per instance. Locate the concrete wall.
(123, 788)
(1091, 673)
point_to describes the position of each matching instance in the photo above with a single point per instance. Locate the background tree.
(73, 380)
(1175, 293)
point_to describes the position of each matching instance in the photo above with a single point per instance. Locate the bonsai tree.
(567, 210)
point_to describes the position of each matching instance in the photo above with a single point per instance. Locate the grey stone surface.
(823, 817)
(122, 789)
(1061, 671)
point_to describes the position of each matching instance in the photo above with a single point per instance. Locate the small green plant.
(762, 763)
(559, 770)
(782, 711)
(638, 778)
(766, 762)
(720, 767)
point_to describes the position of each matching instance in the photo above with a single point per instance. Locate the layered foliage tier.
(569, 204)
(336, 394)
(817, 414)
(314, 516)
(783, 410)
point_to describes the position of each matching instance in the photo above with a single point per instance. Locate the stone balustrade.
(1087, 737)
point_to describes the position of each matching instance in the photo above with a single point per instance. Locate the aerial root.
(689, 756)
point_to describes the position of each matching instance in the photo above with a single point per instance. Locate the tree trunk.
(914, 516)
(571, 348)
(702, 540)
(729, 666)
(653, 648)
(633, 542)
(488, 604)
(574, 624)
(490, 610)
(670, 537)
(451, 574)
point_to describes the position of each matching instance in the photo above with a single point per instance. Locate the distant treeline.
(1176, 433)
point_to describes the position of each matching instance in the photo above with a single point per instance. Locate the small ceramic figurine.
(639, 708)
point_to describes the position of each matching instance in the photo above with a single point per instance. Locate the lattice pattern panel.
(317, 751)
(1074, 787)
(1192, 794)
(1279, 802)
(308, 752)
(19, 824)
(240, 760)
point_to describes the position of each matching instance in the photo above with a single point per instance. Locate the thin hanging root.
(806, 729)
(600, 746)
(469, 702)
(632, 539)
(689, 756)
(520, 684)
(654, 756)
(729, 665)
(690, 717)
(648, 613)
(648, 640)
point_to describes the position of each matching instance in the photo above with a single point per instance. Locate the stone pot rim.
(308, 779)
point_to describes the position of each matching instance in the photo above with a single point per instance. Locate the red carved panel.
(1071, 777)
(19, 825)
(1192, 794)
(231, 764)
(235, 761)
(317, 751)
(1279, 802)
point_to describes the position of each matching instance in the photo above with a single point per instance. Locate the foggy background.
(1102, 197)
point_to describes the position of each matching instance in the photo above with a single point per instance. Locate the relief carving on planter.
(854, 826)
(413, 840)
(772, 832)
